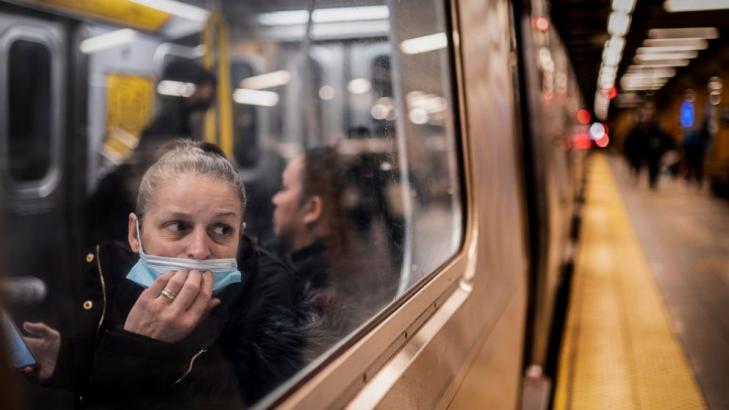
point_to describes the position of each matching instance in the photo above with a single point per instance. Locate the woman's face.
(190, 216)
(288, 215)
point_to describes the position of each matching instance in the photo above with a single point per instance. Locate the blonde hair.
(186, 156)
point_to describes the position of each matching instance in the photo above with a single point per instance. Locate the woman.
(183, 325)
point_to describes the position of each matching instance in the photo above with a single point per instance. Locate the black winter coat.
(249, 344)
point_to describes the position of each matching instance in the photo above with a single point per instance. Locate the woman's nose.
(198, 247)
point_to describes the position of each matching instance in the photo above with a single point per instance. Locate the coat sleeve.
(267, 334)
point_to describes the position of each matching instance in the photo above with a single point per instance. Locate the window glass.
(29, 116)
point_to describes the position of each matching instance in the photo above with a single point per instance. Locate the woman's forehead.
(195, 192)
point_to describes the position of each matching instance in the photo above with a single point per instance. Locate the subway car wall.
(409, 180)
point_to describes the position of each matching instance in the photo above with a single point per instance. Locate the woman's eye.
(222, 230)
(176, 226)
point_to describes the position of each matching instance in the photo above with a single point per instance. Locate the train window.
(29, 113)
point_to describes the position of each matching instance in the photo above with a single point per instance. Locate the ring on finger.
(169, 294)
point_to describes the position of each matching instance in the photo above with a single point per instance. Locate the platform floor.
(645, 327)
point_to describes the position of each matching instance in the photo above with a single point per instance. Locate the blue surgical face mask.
(149, 267)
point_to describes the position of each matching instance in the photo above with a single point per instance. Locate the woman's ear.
(313, 210)
(133, 233)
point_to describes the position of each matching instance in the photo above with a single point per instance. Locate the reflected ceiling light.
(618, 23)
(655, 72)
(108, 40)
(424, 44)
(327, 15)
(666, 63)
(616, 43)
(268, 80)
(326, 92)
(664, 50)
(359, 86)
(696, 43)
(625, 6)
(255, 97)
(666, 56)
(689, 32)
(177, 8)
(673, 6)
(175, 88)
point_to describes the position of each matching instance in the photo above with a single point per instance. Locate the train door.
(33, 177)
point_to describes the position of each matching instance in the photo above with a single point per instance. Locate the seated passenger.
(307, 218)
(309, 224)
(175, 322)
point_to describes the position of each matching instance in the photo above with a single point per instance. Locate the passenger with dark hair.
(311, 228)
(308, 218)
(175, 320)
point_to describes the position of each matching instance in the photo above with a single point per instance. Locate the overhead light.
(696, 43)
(666, 56)
(666, 63)
(625, 6)
(616, 43)
(326, 92)
(108, 40)
(673, 6)
(689, 32)
(618, 23)
(424, 44)
(611, 56)
(655, 72)
(326, 15)
(268, 80)
(175, 88)
(177, 8)
(255, 97)
(359, 86)
(664, 50)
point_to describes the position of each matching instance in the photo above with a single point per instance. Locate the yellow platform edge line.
(619, 348)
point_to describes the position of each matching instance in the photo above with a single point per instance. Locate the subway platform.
(648, 321)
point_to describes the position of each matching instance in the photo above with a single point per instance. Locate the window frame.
(46, 185)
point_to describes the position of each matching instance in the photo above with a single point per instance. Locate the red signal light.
(612, 92)
(583, 116)
(541, 23)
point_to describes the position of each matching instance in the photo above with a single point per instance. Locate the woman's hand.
(171, 308)
(45, 342)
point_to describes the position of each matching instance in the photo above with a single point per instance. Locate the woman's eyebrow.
(177, 214)
(226, 214)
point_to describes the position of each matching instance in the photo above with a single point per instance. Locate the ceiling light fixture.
(267, 80)
(108, 40)
(177, 8)
(664, 50)
(424, 44)
(697, 43)
(325, 15)
(666, 56)
(688, 32)
(674, 6)
(625, 6)
(618, 23)
(255, 97)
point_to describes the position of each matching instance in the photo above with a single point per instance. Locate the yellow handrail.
(219, 119)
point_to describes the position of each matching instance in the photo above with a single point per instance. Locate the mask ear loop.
(139, 236)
